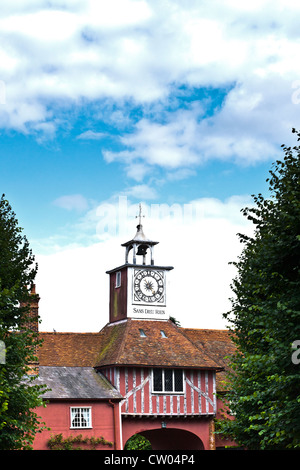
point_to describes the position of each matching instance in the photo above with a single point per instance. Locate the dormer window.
(142, 333)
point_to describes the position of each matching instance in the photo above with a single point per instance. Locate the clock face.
(149, 286)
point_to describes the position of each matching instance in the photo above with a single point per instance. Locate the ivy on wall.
(58, 442)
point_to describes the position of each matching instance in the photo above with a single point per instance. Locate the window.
(163, 334)
(81, 417)
(167, 380)
(118, 279)
(142, 333)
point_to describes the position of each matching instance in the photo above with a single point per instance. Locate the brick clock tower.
(138, 289)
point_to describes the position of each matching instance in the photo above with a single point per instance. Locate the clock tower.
(138, 289)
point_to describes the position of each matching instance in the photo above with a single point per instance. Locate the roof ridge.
(69, 333)
(227, 330)
(124, 337)
(117, 344)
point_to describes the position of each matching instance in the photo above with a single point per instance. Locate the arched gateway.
(172, 439)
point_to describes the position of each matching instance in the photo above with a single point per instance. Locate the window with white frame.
(167, 381)
(81, 417)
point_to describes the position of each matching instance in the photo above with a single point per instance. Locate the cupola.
(138, 288)
(140, 244)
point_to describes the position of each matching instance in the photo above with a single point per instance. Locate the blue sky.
(178, 105)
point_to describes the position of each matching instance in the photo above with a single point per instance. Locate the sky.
(179, 105)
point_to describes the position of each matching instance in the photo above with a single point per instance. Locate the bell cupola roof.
(140, 244)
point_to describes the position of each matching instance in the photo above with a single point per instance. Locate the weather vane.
(140, 214)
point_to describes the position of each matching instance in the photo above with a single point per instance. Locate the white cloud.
(42, 25)
(180, 174)
(136, 53)
(170, 145)
(137, 49)
(72, 202)
(91, 135)
(137, 170)
(117, 14)
(141, 191)
(243, 130)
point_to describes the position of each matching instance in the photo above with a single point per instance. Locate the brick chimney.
(33, 325)
(33, 322)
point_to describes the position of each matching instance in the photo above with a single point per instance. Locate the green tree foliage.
(137, 442)
(18, 394)
(264, 385)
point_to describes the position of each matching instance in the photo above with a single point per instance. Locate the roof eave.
(157, 366)
(130, 265)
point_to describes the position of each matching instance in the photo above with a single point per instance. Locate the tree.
(18, 393)
(138, 442)
(264, 382)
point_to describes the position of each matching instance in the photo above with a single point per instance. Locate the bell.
(142, 250)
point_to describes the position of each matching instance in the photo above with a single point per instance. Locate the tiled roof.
(123, 344)
(216, 344)
(69, 349)
(75, 382)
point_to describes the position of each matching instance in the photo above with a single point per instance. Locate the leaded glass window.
(167, 380)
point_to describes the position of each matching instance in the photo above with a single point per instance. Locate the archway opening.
(172, 439)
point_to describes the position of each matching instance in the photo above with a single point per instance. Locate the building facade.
(141, 374)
